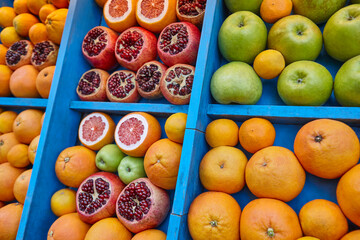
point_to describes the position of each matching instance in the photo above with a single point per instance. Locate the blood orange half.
(136, 132)
(120, 14)
(96, 130)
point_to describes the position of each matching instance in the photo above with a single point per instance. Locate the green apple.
(131, 168)
(355, 1)
(242, 37)
(296, 37)
(305, 83)
(342, 33)
(243, 5)
(108, 158)
(236, 82)
(318, 11)
(347, 83)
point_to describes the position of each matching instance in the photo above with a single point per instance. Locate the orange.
(101, 3)
(275, 172)
(42, 119)
(23, 82)
(269, 64)
(23, 22)
(7, 14)
(9, 36)
(327, 148)
(33, 148)
(161, 163)
(323, 219)
(3, 51)
(74, 164)
(155, 15)
(63, 202)
(35, 5)
(18, 156)
(354, 235)
(214, 215)
(38, 33)
(120, 14)
(150, 234)
(10, 216)
(60, 3)
(8, 176)
(222, 132)
(45, 11)
(69, 227)
(348, 194)
(256, 134)
(273, 10)
(44, 80)
(55, 23)
(7, 141)
(108, 229)
(27, 125)
(7, 119)
(20, 6)
(223, 169)
(308, 238)
(175, 127)
(2, 204)
(266, 218)
(5, 75)
(21, 186)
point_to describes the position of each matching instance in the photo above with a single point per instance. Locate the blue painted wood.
(178, 228)
(8, 3)
(23, 102)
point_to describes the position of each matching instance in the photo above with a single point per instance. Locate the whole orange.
(45, 11)
(214, 215)
(2, 204)
(354, 235)
(7, 119)
(18, 156)
(63, 202)
(20, 6)
(150, 234)
(269, 64)
(308, 238)
(5, 75)
(27, 125)
(38, 33)
(55, 23)
(21, 186)
(23, 22)
(223, 169)
(273, 10)
(35, 5)
(33, 148)
(108, 229)
(60, 3)
(23, 82)
(175, 127)
(44, 80)
(3, 51)
(10, 216)
(7, 141)
(327, 148)
(69, 227)
(9, 36)
(7, 14)
(8, 176)
(222, 132)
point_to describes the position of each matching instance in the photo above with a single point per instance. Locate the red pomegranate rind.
(96, 196)
(19, 54)
(98, 48)
(148, 79)
(121, 87)
(134, 47)
(142, 205)
(44, 55)
(191, 11)
(179, 43)
(92, 85)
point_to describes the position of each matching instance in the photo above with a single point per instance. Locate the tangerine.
(38, 33)
(21, 186)
(269, 64)
(7, 14)
(7, 119)
(273, 10)
(20, 6)
(18, 156)
(63, 202)
(7, 141)
(45, 11)
(23, 22)
(175, 127)
(222, 132)
(44, 80)
(9, 36)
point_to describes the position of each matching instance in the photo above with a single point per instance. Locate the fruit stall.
(179, 119)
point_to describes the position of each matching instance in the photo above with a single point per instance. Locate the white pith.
(103, 119)
(112, 19)
(152, 20)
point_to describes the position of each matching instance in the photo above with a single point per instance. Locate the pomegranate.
(141, 205)
(179, 43)
(148, 79)
(44, 55)
(176, 84)
(134, 47)
(92, 85)
(19, 54)
(191, 11)
(98, 48)
(121, 87)
(96, 196)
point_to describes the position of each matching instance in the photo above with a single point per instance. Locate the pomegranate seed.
(95, 41)
(129, 46)
(174, 39)
(120, 84)
(41, 52)
(89, 83)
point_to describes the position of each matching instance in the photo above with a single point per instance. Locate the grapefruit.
(120, 14)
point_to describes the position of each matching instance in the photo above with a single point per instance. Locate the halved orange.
(120, 14)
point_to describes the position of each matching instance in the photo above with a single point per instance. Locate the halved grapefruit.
(136, 132)
(154, 15)
(96, 130)
(120, 14)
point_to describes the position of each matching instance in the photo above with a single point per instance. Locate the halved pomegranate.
(121, 87)
(19, 54)
(134, 47)
(141, 205)
(98, 48)
(96, 196)
(92, 85)
(148, 79)
(179, 43)
(176, 84)
(44, 55)
(191, 11)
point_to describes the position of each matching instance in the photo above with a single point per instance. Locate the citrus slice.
(96, 130)
(120, 14)
(136, 132)
(154, 15)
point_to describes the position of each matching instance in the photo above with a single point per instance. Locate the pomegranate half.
(44, 55)
(121, 87)
(191, 11)
(19, 54)
(92, 84)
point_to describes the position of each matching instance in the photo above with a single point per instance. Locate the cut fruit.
(121, 87)
(154, 15)
(96, 130)
(120, 14)
(191, 11)
(19, 54)
(91, 86)
(136, 132)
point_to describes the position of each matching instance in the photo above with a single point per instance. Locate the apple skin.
(236, 82)
(347, 83)
(242, 37)
(355, 1)
(296, 37)
(342, 33)
(131, 168)
(318, 11)
(305, 83)
(108, 158)
(243, 5)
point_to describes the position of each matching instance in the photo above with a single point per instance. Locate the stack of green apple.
(303, 82)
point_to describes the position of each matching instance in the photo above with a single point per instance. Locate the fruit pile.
(146, 167)
(325, 148)
(19, 137)
(30, 38)
(287, 53)
(137, 48)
